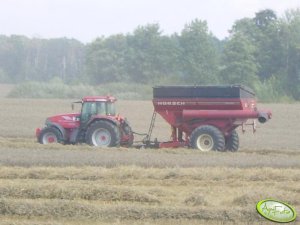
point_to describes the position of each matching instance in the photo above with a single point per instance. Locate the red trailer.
(205, 117)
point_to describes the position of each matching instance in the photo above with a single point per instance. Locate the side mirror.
(73, 106)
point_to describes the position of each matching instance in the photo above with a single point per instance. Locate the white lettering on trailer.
(170, 103)
(194, 103)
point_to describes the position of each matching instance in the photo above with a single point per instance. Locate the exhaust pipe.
(264, 117)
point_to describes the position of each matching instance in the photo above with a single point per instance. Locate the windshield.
(97, 108)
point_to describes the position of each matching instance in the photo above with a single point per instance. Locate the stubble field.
(58, 184)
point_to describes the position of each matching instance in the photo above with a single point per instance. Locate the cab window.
(96, 108)
(111, 109)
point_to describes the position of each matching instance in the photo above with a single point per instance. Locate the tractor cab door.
(91, 109)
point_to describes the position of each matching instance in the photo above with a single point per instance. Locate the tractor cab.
(97, 106)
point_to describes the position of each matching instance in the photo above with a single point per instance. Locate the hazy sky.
(87, 19)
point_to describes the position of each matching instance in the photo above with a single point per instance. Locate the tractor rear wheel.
(103, 134)
(207, 138)
(232, 142)
(50, 135)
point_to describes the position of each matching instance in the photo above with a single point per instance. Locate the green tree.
(12, 51)
(239, 62)
(144, 54)
(24, 59)
(199, 56)
(290, 45)
(265, 18)
(263, 32)
(268, 43)
(106, 59)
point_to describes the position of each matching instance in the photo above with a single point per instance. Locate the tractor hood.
(64, 120)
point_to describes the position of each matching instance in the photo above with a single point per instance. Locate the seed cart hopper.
(205, 117)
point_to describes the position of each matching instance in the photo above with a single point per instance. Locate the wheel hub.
(101, 137)
(205, 142)
(49, 138)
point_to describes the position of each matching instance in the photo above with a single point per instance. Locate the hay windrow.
(71, 192)
(81, 210)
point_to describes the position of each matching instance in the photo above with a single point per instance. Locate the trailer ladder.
(148, 137)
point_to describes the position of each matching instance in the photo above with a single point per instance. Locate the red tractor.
(205, 117)
(96, 125)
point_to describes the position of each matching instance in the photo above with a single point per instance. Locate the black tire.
(232, 142)
(103, 134)
(207, 138)
(50, 135)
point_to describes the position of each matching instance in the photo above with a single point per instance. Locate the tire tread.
(219, 140)
(232, 142)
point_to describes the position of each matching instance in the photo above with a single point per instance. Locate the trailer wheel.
(232, 142)
(103, 134)
(50, 135)
(207, 138)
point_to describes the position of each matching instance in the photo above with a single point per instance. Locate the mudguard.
(59, 127)
(110, 120)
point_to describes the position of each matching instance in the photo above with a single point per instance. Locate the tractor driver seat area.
(101, 108)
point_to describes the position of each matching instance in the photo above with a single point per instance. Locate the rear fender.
(110, 120)
(224, 125)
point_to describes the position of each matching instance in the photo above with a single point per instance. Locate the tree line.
(262, 52)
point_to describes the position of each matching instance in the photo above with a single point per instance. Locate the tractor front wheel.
(50, 135)
(103, 134)
(232, 142)
(207, 138)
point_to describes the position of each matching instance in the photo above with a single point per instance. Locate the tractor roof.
(99, 99)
